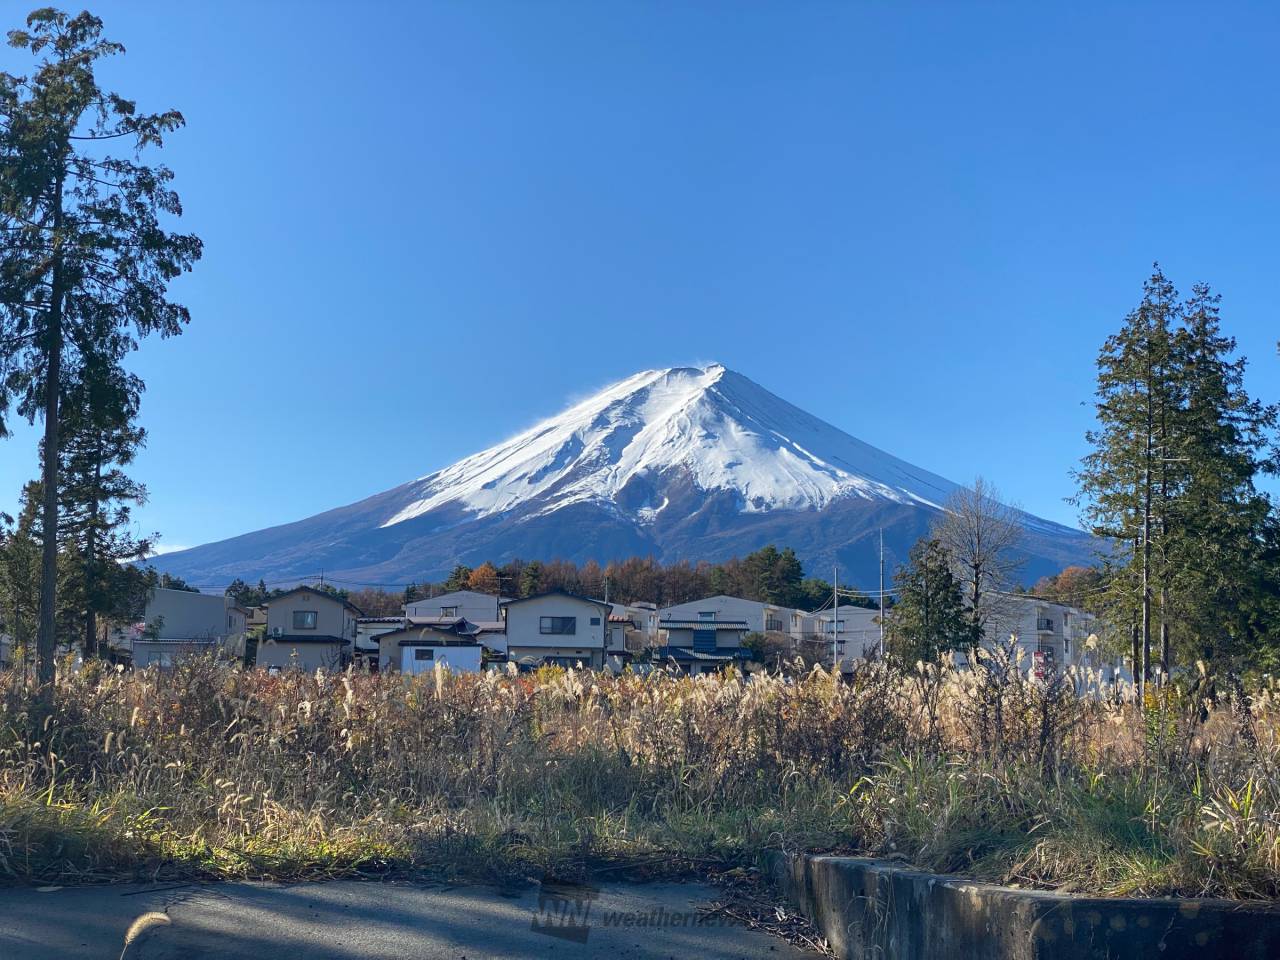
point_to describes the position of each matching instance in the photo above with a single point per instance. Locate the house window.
(304, 619)
(561, 626)
(448, 611)
(706, 615)
(424, 653)
(773, 624)
(826, 626)
(595, 621)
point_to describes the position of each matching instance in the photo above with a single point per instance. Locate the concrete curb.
(878, 910)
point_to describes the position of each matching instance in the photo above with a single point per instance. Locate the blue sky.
(428, 225)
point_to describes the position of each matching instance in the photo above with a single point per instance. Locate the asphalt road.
(385, 921)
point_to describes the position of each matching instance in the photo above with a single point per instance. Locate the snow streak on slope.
(727, 432)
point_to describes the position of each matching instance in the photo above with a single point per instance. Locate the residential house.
(417, 648)
(257, 619)
(556, 628)
(1050, 637)
(759, 617)
(469, 604)
(643, 617)
(704, 642)
(785, 624)
(623, 638)
(308, 629)
(181, 623)
(368, 630)
(490, 634)
(632, 627)
(855, 630)
(238, 627)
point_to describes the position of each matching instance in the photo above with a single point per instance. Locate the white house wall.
(188, 616)
(523, 621)
(755, 613)
(333, 618)
(474, 606)
(859, 632)
(455, 658)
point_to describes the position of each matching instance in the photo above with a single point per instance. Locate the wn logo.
(564, 910)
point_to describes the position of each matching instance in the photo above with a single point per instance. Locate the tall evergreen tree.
(99, 437)
(247, 596)
(20, 573)
(929, 618)
(85, 252)
(69, 570)
(459, 579)
(1125, 482)
(773, 575)
(1219, 558)
(531, 579)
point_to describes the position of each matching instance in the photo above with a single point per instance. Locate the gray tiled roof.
(683, 653)
(304, 638)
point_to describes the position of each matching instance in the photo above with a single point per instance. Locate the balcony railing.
(1044, 625)
(702, 624)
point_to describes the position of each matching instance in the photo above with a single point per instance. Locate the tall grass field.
(211, 771)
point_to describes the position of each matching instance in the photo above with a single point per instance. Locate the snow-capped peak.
(706, 423)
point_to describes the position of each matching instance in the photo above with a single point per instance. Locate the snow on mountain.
(681, 464)
(726, 431)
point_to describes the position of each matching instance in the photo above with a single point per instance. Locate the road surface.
(384, 921)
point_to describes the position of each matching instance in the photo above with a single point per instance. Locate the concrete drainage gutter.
(877, 910)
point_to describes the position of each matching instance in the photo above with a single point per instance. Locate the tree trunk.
(1164, 536)
(90, 562)
(46, 640)
(1164, 637)
(1145, 672)
(1135, 639)
(90, 632)
(975, 613)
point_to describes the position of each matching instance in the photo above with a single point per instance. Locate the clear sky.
(428, 225)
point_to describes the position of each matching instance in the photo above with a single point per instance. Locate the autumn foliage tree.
(484, 579)
(1076, 586)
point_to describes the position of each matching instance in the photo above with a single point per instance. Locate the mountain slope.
(684, 463)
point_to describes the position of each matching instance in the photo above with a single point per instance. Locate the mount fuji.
(686, 463)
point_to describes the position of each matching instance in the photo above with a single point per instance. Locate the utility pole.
(835, 619)
(497, 600)
(882, 650)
